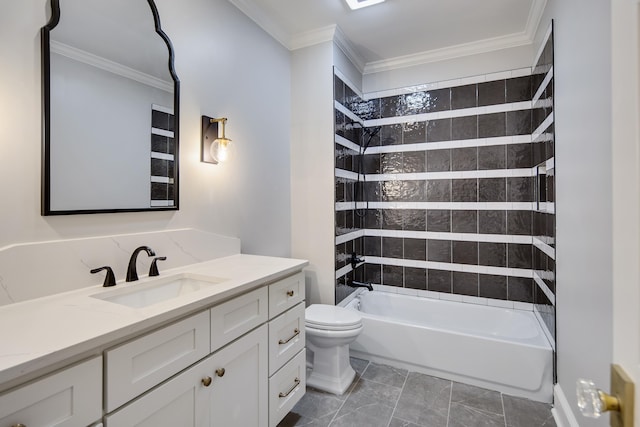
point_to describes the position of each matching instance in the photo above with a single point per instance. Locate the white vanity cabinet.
(69, 398)
(287, 358)
(236, 363)
(250, 371)
(228, 388)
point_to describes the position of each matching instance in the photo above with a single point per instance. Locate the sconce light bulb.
(220, 149)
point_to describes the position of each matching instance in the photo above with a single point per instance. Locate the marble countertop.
(42, 334)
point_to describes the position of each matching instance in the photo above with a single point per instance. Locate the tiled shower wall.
(454, 191)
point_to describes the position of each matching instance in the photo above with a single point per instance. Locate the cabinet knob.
(206, 381)
(220, 372)
(290, 293)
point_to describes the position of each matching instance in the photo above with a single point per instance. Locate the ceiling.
(399, 33)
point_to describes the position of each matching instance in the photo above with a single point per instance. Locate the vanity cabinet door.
(69, 398)
(240, 386)
(182, 401)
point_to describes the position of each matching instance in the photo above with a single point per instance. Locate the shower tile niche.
(450, 189)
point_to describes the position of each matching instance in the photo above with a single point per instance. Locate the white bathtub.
(495, 348)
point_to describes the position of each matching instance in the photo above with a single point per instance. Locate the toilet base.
(332, 371)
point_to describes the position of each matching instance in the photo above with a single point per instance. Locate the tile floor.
(384, 396)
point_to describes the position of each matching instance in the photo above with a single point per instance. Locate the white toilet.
(330, 330)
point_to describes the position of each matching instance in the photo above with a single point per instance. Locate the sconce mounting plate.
(208, 135)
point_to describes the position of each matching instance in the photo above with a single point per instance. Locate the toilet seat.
(331, 318)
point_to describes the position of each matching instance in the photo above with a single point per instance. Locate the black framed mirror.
(110, 109)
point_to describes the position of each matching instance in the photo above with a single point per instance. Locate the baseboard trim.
(562, 413)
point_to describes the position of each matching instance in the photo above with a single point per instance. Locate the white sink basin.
(138, 295)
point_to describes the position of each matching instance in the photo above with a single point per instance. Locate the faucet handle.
(153, 270)
(109, 279)
(354, 260)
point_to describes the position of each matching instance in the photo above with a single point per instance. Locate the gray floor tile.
(521, 412)
(367, 415)
(477, 398)
(367, 394)
(466, 416)
(397, 422)
(358, 365)
(385, 374)
(424, 400)
(384, 396)
(296, 420)
(316, 404)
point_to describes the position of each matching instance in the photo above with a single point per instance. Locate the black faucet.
(355, 284)
(132, 272)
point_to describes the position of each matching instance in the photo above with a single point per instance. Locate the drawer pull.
(296, 332)
(18, 425)
(295, 384)
(206, 381)
(220, 372)
(290, 293)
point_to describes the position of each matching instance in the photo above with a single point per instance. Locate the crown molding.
(257, 15)
(333, 32)
(466, 49)
(110, 66)
(535, 17)
(345, 45)
(313, 37)
(445, 53)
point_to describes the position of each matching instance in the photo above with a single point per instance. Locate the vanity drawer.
(286, 337)
(285, 293)
(286, 388)
(234, 318)
(138, 365)
(72, 397)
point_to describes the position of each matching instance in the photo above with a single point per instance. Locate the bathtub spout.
(355, 284)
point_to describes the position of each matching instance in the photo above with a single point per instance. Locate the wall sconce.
(215, 148)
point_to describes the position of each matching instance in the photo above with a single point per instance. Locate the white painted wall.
(582, 112)
(227, 66)
(467, 66)
(312, 168)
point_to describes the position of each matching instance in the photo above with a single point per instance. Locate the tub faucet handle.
(355, 260)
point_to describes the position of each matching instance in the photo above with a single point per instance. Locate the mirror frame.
(46, 119)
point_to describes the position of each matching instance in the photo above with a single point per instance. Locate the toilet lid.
(330, 316)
